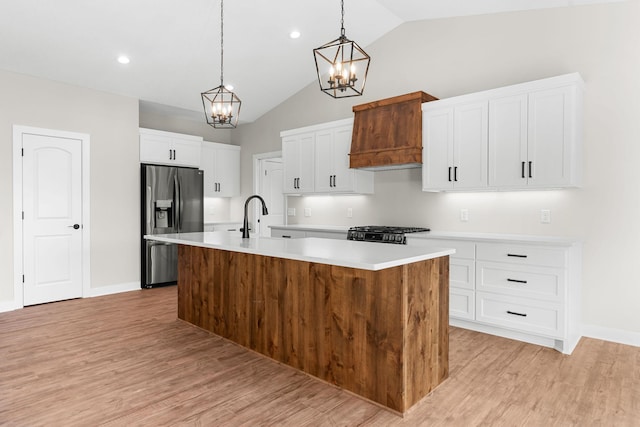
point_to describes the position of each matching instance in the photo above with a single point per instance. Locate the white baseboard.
(92, 292)
(7, 306)
(610, 334)
(113, 289)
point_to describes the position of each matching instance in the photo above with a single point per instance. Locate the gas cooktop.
(382, 234)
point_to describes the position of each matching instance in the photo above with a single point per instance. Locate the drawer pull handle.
(517, 281)
(517, 314)
(517, 256)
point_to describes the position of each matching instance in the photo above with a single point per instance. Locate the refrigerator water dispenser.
(164, 213)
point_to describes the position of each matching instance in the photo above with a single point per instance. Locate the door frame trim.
(18, 244)
(257, 163)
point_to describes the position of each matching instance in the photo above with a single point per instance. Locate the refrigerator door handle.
(149, 226)
(176, 203)
(180, 204)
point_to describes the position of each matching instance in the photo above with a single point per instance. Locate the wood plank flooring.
(125, 360)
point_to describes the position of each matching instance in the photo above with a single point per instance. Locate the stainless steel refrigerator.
(171, 203)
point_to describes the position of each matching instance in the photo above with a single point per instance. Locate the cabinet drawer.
(462, 273)
(326, 235)
(466, 250)
(288, 234)
(520, 314)
(521, 254)
(523, 281)
(462, 304)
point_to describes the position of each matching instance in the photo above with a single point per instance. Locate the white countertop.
(453, 235)
(344, 253)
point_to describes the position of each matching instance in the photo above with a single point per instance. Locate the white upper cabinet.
(221, 166)
(168, 148)
(508, 141)
(297, 158)
(316, 160)
(332, 172)
(454, 155)
(517, 137)
(534, 139)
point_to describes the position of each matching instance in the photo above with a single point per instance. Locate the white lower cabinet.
(223, 226)
(287, 233)
(521, 314)
(528, 291)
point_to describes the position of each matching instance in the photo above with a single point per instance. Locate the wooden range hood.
(387, 134)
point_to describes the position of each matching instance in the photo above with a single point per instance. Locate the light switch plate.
(307, 211)
(464, 215)
(291, 211)
(545, 216)
(349, 213)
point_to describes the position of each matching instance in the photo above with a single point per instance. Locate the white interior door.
(271, 190)
(52, 225)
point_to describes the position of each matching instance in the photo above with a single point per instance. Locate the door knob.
(74, 226)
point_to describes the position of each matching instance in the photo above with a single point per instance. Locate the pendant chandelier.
(342, 65)
(221, 106)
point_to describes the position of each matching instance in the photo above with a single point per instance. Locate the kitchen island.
(370, 318)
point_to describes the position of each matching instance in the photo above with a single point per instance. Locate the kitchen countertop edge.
(343, 253)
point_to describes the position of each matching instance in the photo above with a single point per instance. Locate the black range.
(382, 234)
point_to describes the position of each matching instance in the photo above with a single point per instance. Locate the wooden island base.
(383, 335)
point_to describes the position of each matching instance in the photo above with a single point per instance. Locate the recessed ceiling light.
(294, 34)
(123, 59)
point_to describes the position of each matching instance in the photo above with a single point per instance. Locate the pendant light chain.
(342, 19)
(221, 42)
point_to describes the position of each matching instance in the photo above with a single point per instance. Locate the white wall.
(449, 57)
(112, 123)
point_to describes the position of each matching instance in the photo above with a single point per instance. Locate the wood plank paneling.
(375, 333)
(388, 131)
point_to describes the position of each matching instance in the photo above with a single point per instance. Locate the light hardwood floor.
(125, 360)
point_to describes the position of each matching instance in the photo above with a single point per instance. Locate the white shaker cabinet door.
(551, 134)
(508, 166)
(298, 160)
(437, 152)
(470, 138)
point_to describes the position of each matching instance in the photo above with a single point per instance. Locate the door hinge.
(23, 152)
(23, 215)
(23, 278)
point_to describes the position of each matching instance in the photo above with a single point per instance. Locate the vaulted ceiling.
(174, 46)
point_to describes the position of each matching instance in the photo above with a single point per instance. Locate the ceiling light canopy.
(221, 105)
(342, 65)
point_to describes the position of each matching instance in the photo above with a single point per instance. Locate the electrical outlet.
(349, 213)
(307, 211)
(464, 215)
(291, 211)
(545, 216)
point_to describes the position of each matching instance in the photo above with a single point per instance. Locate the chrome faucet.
(245, 224)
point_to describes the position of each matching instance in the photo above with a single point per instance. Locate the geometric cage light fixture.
(342, 65)
(221, 105)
